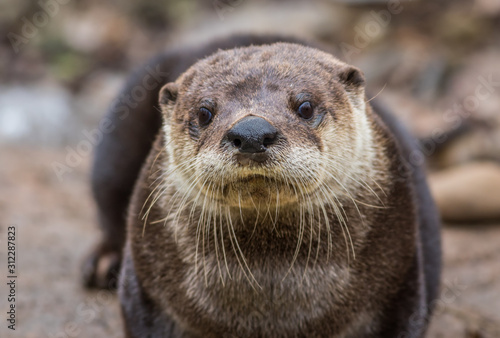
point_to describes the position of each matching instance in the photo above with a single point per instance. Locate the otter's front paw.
(101, 269)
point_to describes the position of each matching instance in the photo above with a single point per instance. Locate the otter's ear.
(354, 84)
(352, 78)
(168, 94)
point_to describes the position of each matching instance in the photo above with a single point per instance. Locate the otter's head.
(266, 125)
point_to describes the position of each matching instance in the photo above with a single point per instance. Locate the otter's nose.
(252, 134)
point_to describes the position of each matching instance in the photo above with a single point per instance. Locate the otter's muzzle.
(252, 136)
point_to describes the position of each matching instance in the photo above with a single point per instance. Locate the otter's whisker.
(216, 245)
(223, 244)
(201, 225)
(160, 193)
(301, 226)
(234, 242)
(338, 212)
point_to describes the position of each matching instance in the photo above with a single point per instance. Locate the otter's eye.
(204, 116)
(305, 110)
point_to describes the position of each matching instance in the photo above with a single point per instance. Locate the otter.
(264, 198)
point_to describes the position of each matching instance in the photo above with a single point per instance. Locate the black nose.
(252, 134)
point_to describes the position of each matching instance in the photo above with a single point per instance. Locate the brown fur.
(369, 257)
(322, 240)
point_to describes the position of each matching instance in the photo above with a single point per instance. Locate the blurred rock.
(475, 87)
(406, 65)
(10, 11)
(468, 193)
(488, 7)
(462, 28)
(96, 95)
(36, 115)
(420, 119)
(478, 140)
(95, 28)
(303, 19)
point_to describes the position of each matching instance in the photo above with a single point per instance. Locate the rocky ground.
(55, 222)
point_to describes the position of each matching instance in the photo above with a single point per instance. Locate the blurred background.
(436, 64)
